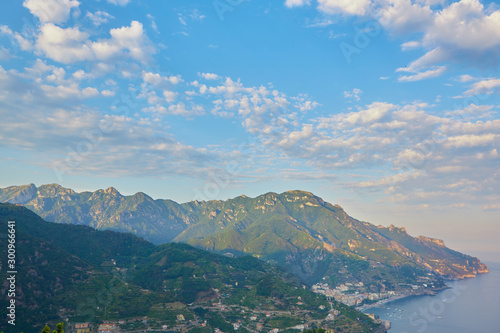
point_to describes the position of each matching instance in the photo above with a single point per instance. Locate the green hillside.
(80, 274)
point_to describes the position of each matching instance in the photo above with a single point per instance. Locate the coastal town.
(358, 295)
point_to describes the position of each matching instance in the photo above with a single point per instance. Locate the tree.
(59, 329)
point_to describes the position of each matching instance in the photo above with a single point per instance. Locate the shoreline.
(382, 302)
(395, 298)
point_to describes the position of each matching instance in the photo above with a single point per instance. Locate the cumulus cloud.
(209, 76)
(462, 32)
(423, 150)
(55, 11)
(180, 109)
(170, 96)
(64, 45)
(403, 16)
(79, 139)
(445, 155)
(47, 84)
(158, 80)
(70, 45)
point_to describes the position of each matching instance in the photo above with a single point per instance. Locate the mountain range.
(74, 273)
(297, 230)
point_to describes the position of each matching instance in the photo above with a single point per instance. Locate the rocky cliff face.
(438, 242)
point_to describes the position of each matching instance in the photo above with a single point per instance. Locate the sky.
(389, 108)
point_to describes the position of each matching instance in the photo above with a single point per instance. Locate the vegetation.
(75, 272)
(59, 329)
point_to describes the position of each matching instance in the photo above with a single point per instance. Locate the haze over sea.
(471, 306)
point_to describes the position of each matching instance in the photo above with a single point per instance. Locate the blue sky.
(389, 108)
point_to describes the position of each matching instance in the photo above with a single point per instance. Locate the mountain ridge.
(294, 229)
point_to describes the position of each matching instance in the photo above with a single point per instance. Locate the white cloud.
(487, 86)
(431, 73)
(403, 16)
(119, 2)
(296, 3)
(55, 11)
(471, 140)
(76, 139)
(466, 78)
(108, 93)
(132, 39)
(472, 110)
(170, 96)
(99, 17)
(156, 79)
(441, 154)
(410, 45)
(64, 45)
(24, 43)
(348, 7)
(209, 76)
(354, 94)
(195, 15)
(62, 92)
(373, 113)
(69, 45)
(182, 20)
(5, 54)
(45, 84)
(463, 32)
(465, 25)
(180, 109)
(304, 104)
(153, 22)
(465, 127)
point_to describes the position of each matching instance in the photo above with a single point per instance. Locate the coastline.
(382, 302)
(431, 292)
(473, 308)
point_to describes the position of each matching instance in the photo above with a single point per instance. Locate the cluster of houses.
(349, 293)
(108, 327)
(183, 324)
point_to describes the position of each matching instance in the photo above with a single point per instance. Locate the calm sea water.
(471, 306)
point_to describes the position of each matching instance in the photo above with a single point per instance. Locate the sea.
(469, 306)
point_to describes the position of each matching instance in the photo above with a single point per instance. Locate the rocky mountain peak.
(51, 190)
(113, 191)
(392, 227)
(438, 242)
(20, 194)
